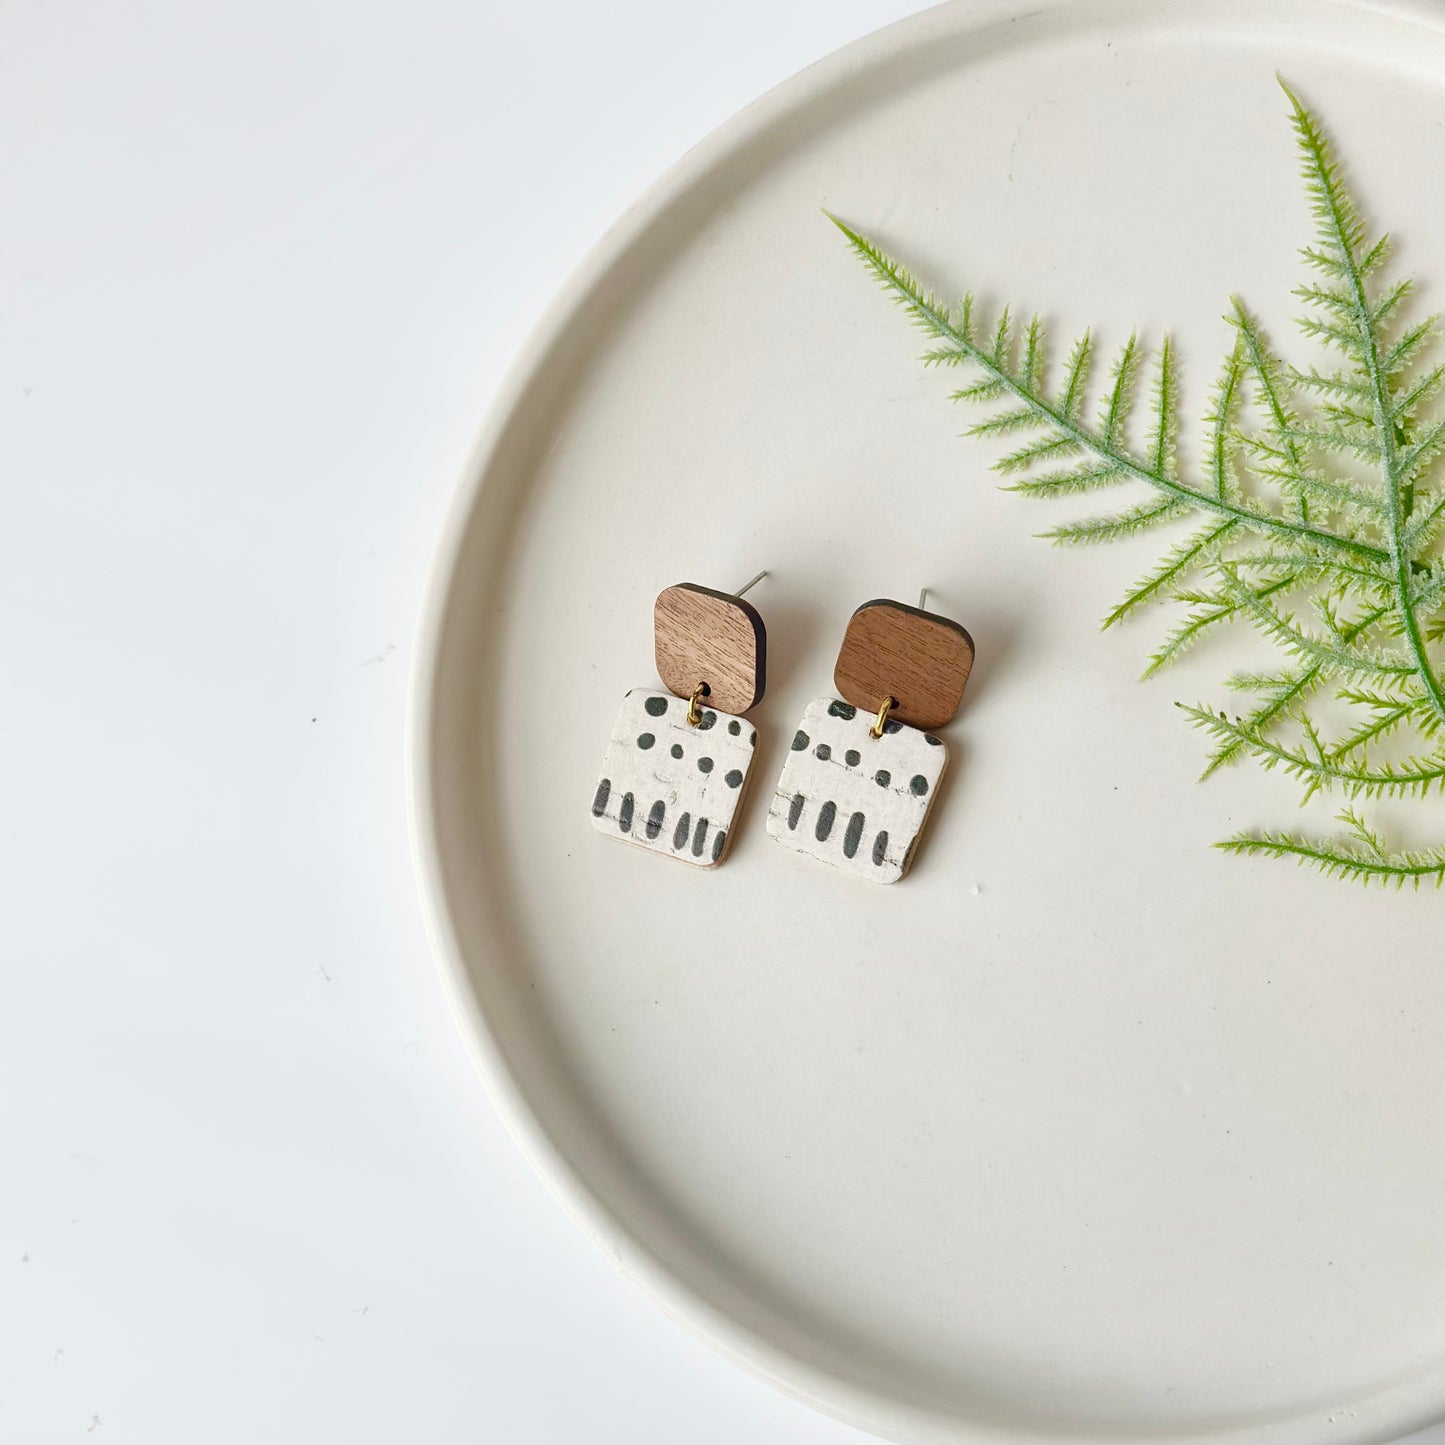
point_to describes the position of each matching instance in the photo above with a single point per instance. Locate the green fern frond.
(1313, 486)
(1421, 393)
(1408, 348)
(1087, 477)
(1164, 422)
(1336, 384)
(1120, 397)
(1312, 764)
(1219, 426)
(1076, 377)
(1205, 615)
(1032, 371)
(1117, 525)
(1281, 693)
(1003, 422)
(1386, 720)
(1049, 448)
(1319, 510)
(1360, 857)
(1002, 341)
(1169, 575)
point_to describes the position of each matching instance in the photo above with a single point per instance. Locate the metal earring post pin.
(752, 583)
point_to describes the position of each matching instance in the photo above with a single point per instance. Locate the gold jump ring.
(884, 708)
(694, 717)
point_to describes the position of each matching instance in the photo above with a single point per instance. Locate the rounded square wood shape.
(919, 658)
(712, 638)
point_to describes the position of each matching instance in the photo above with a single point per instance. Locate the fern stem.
(936, 319)
(1320, 773)
(1384, 868)
(1391, 472)
(1276, 707)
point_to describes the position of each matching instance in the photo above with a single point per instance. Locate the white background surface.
(261, 267)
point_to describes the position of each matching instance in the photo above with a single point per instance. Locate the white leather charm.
(669, 786)
(853, 800)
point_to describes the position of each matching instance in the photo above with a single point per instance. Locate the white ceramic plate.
(1085, 1130)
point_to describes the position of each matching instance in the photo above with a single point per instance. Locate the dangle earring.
(859, 782)
(678, 761)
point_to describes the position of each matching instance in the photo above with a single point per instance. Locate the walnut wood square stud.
(713, 640)
(920, 659)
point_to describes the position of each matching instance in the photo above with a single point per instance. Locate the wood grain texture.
(712, 638)
(851, 800)
(891, 650)
(668, 786)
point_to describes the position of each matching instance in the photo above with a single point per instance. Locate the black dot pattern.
(800, 740)
(704, 765)
(676, 750)
(735, 727)
(882, 777)
(852, 757)
(734, 779)
(655, 706)
(822, 752)
(646, 741)
(918, 785)
(844, 710)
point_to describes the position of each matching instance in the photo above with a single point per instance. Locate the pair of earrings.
(863, 768)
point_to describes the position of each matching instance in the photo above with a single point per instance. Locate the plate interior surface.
(1084, 1130)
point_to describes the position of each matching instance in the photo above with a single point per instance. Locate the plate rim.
(1397, 1412)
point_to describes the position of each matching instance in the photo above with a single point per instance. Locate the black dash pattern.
(826, 814)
